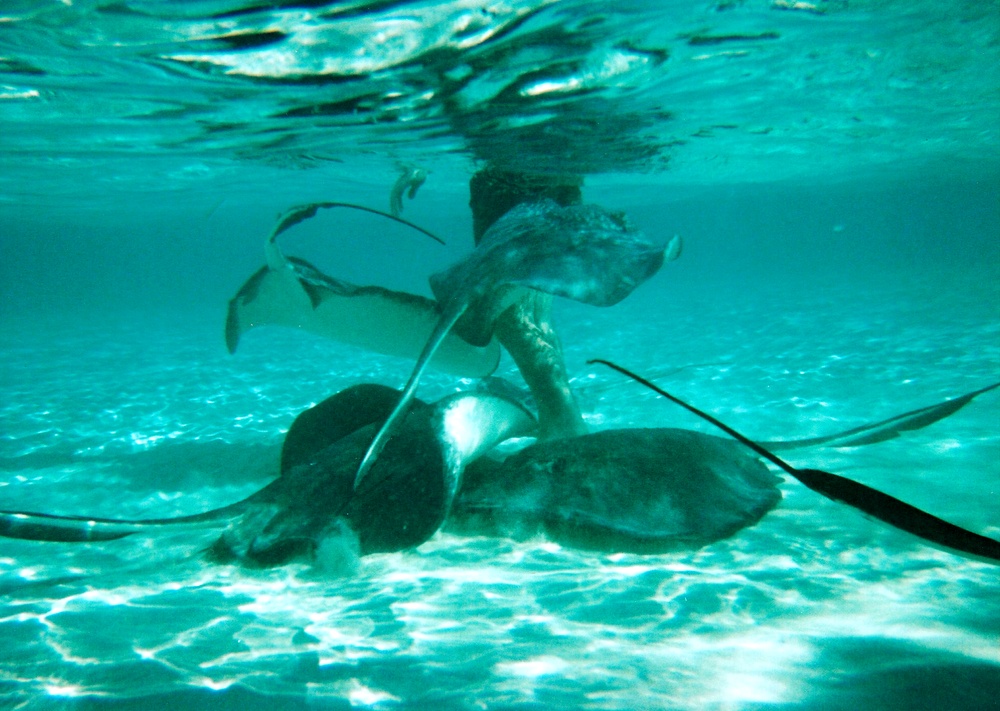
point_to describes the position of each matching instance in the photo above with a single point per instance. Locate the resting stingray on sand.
(640, 490)
(402, 505)
(872, 502)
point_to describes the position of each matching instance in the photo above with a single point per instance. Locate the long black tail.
(864, 498)
(33, 526)
(300, 213)
(885, 429)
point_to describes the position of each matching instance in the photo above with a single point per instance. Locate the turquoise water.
(834, 171)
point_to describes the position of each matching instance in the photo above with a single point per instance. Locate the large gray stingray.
(632, 490)
(866, 499)
(402, 503)
(582, 252)
(640, 490)
(291, 292)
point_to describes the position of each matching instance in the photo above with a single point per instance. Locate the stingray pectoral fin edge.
(866, 499)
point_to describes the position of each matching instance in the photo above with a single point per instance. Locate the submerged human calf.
(637, 490)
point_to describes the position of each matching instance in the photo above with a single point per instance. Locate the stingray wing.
(390, 322)
(581, 252)
(885, 429)
(340, 415)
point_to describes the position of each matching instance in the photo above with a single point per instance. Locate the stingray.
(292, 292)
(653, 490)
(659, 490)
(866, 499)
(581, 252)
(400, 505)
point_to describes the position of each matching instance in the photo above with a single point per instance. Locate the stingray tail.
(873, 502)
(388, 428)
(32, 526)
(886, 429)
(300, 213)
(65, 529)
(898, 514)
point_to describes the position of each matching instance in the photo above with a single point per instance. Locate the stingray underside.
(581, 252)
(381, 320)
(635, 490)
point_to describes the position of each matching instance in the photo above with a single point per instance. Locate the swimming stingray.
(640, 490)
(582, 252)
(291, 292)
